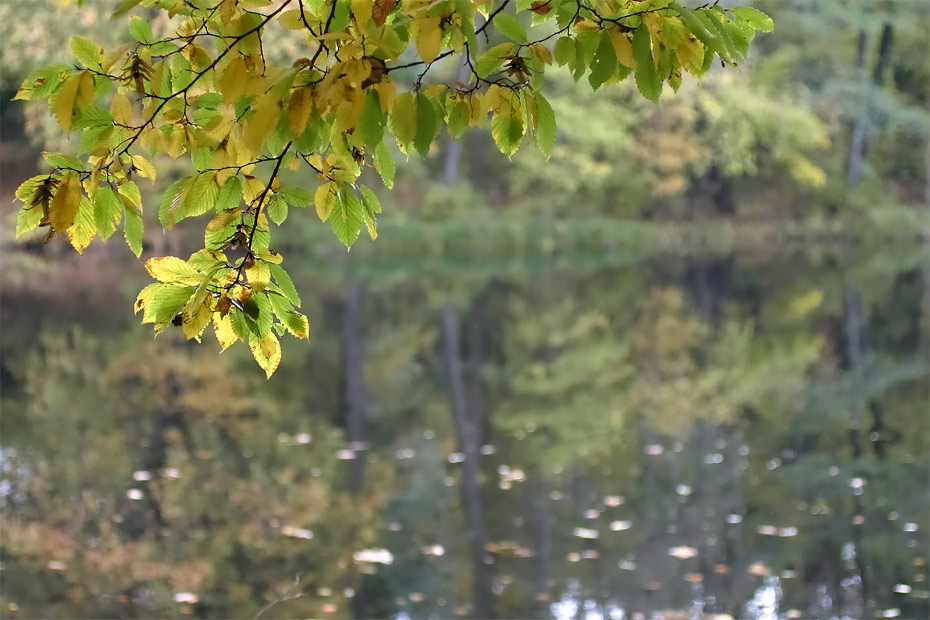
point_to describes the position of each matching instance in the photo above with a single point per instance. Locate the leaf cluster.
(205, 92)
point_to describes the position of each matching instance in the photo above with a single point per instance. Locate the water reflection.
(701, 438)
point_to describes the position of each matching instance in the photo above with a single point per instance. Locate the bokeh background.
(677, 371)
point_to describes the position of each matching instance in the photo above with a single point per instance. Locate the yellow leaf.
(66, 202)
(171, 269)
(144, 167)
(622, 48)
(542, 53)
(690, 53)
(362, 11)
(298, 110)
(267, 352)
(196, 319)
(76, 93)
(325, 200)
(146, 296)
(121, 110)
(235, 80)
(260, 124)
(223, 327)
(427, 37)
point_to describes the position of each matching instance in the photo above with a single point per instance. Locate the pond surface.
(736, 436)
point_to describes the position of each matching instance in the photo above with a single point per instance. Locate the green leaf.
(133, 229)
(511, 27)
(28, 219)
(108, 211)
(87, 52)
(384, 164)
(458, 117)
(230, 195)
(170, 202)
(82, 231)
(201, 196)
(295, 322)
(604, 64)
(491, 60)
(140, 29)
(167, 304)
(43, 82)
(284, 282)
(370, 206)
(258, 314)
(346, 219)
(371, 125)
(428, 123)
(564, 51)
(545, 125)
(754, 18)
(296, 196)
(276, 209)
(63, 162)
(404, 119)
(507, 130)
(647, 77)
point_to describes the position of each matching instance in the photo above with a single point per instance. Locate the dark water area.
(742, 435)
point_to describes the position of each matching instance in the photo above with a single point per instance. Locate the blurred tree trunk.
(468, 434)
(355, 398)
(858, 143)
(453, 157)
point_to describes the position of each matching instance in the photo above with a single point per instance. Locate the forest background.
(747, 253)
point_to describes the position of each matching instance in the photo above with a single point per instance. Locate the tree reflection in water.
(672, 439)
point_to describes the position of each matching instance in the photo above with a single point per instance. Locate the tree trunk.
(858, 142)
(468, 438)
(453, 158)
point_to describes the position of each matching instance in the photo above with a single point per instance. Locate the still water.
(672, 436)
